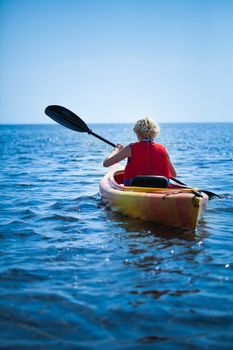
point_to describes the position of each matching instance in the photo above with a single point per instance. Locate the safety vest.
(147, 158)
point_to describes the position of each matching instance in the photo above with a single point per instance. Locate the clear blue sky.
(117, 61)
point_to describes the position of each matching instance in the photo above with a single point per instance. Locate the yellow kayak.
(180, 207)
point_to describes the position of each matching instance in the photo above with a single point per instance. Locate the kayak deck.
(176, 206)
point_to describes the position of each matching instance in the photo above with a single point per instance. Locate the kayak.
(172, 206)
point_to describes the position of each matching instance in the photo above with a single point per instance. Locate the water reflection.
(165, 261)
(139, 228)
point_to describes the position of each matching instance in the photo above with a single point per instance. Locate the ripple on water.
(75, 274)
(57, 217)
(28, 214)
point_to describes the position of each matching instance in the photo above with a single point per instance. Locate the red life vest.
(147, 158)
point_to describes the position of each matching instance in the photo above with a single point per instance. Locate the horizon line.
(118, 123)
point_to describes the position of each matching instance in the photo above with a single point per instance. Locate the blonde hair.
(146, 128)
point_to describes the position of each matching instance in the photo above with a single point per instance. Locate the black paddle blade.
(71, 121)
(66, 118)
(211, 194)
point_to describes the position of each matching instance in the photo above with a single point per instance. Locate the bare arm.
(172, 169)
(117, 155)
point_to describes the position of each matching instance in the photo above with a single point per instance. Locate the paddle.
(71, 121)
(209, 193)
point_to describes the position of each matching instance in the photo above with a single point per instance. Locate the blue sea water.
(75, 275)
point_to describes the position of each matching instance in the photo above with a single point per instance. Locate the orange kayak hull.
(177, 207)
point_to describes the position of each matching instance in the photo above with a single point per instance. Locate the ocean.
(76, 275)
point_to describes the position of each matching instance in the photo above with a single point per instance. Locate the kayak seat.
(150, 181)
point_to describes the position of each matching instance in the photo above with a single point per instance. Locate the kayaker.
(145, 157)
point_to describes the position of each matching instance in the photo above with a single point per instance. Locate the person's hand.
(119, 146)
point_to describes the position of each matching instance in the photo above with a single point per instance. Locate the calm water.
(74, 275)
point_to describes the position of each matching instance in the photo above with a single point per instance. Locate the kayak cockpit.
(150, 181)
(119, 177)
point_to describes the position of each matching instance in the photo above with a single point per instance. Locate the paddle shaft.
(101, 138)
(178, 181)
(209, 193)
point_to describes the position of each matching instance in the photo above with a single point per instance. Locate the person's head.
(146, 129)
